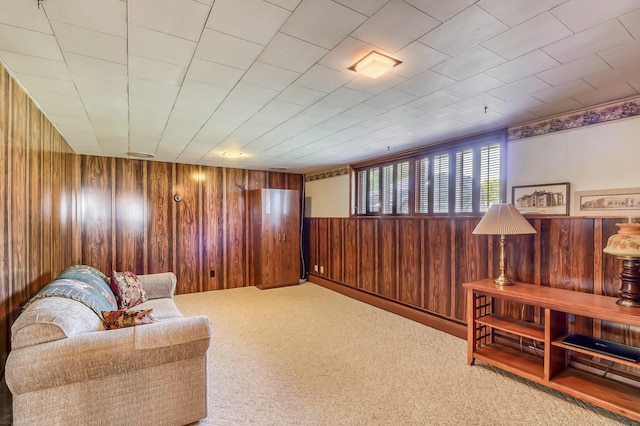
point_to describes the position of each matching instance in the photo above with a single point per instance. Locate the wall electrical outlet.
(212, 273)
(322, 269)
(315, 268)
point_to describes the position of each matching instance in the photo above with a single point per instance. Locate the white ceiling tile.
(150, 69)
(227, 50)
(287, 4)
(472, 86)
(425, 83)
(96, 68)
(160, 46)
(590, 41)
(22, 14)
(184, 19)
(214, 74)
(416, 58)
(282, 110)
(322, 22)
(567, 90)
(631, 22)
(238, 19)
(269, 76)
(476, 104)
(299, 95)
(290, 53)
(346, 97)
(579, 15)
(90, 43)
(610, 93)
(382, 28)
(90, 85)
(27, 42)
(347, 53)
(540, 31)
(323, 79)
(205, 92)
(25, 64)
(366, 7)
(391, 99)
(524, 66)
(519, 88)
(403, 113)
(629, 74)
(152, 93)
(470, 27)
(105, 16)
(573, 70)
(247, 94)
(434, 101)
(622, 56)
(375, 86)
(555, 108)
(441, 10)
(517, 105)
(469, 63)
(515, 12)
(35, 83)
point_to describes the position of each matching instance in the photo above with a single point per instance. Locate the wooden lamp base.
(630, 286)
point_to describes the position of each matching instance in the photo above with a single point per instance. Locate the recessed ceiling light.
(374, 64)
(140, 154)
(232, 154)
(278, 169)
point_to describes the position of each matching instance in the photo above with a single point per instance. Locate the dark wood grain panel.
(350, 236)
(96, 216)
(235, 230)
(213, 231)
(323, 246)
(130, 215)
(388, 249)
(436, 258)
(368, 261)
(160, 210)
(188, 229)
(6, 291)
(409, 285)
(335, 250)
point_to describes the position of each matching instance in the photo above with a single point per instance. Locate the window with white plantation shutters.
(441, 183)
(464, 181)
(402, 188)
(490, 179)
(374, 190)
(362, 192)
(387, 189)
(422, 185)
(461, 177)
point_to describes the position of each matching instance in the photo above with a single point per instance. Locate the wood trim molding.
(450, 327)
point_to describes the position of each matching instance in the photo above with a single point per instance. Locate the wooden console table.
(551, 368)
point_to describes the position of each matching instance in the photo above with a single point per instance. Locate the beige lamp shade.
(503, 219)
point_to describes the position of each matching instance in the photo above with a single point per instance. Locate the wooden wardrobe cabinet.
(275, 237)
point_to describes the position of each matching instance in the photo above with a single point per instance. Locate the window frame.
(451, 148)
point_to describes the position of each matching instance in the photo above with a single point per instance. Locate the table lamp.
(625, 245)
(503, 219)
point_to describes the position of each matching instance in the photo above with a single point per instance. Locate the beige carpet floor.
(305, 355)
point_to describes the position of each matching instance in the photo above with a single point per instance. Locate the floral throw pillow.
(122, 318)
(127, 289)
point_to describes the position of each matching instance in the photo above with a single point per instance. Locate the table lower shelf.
(512, 360)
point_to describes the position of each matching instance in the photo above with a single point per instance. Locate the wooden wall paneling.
(388, 248)
(6, 290)
(323, 246)
(409, 267)
(350, 236)
(437, 260)
(314, 246)
(188, 229)
(470, 262)
(96, 207)
(235, 235)
(35, 251)
(213, 229)
(160, 208)
(335, 250)
(129, 218)
(611, 265)
(368, 261)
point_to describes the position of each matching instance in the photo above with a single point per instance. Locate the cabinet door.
(290, 242)
(271, 256)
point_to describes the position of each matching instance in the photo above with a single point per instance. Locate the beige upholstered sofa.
(64, 368)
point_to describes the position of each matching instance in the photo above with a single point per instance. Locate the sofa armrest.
(106, 353)
(159, 286)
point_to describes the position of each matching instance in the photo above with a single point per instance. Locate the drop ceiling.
(266, 83)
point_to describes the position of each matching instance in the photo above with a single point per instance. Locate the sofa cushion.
(127, 289)
(52, 318)
(123, 318)
(162, 308)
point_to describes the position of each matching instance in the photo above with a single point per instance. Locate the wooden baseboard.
(450, 327)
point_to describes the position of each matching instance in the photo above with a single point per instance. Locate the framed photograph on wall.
(543, 199)
(608, 202)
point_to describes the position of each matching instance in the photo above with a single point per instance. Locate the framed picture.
(608, 202)
(543, 199)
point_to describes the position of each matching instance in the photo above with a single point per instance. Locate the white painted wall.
(603, 156)
(328, 197)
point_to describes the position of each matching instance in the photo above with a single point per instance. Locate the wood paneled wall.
(61, 209)
(131, 222)
(38, 176)
(422, 262)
